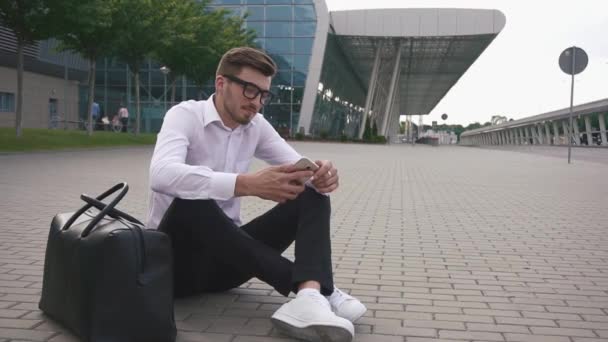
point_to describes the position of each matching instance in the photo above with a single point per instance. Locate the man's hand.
(325, 179)
(277, 183)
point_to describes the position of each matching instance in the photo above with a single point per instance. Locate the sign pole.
(570, 135)
(572, 61)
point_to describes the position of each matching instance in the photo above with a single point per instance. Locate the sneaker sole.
(314, 332)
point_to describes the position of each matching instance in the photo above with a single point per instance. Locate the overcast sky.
(518, 74)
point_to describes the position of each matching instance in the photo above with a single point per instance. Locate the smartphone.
(305, 164)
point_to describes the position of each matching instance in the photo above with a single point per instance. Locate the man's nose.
(256, 101)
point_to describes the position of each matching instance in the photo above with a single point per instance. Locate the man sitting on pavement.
(199, 171)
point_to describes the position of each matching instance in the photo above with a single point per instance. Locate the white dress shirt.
(197, 157)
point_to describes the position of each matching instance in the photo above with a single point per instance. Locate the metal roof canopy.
(438, 46)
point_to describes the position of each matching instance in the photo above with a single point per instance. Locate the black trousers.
(211, 253)
(125, 122)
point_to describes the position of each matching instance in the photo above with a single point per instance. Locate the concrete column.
(393, 125)
(548, 139)
(577, 133)
(541, 139)
(391, 91)
(567, 132)
(520, 138)
(532, 133)
(603, 128)
(373, 82)
(555, 133)
(500, 140)
(588, 130)
(512, 135)
(527, 134)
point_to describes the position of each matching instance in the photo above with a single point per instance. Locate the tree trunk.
(137, 104)
(92, 71)
(19, 108)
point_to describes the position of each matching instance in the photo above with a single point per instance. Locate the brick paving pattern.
(442, 244)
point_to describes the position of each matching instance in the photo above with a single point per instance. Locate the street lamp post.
(165, 70)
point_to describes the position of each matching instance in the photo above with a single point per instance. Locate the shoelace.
(338, 297)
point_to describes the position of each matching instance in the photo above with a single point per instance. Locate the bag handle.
(123, 187)
(114, 213)
(117, 214)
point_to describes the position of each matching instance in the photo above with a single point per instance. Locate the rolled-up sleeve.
(169, 173)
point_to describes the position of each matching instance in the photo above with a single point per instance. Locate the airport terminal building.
(336, 69)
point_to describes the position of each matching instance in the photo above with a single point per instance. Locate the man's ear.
(219, 82)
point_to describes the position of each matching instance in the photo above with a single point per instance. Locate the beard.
(233, 109)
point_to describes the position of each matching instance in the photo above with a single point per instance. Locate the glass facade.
(340, 96)
(285, 30)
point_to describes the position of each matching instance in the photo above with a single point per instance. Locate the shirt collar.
(210, 115)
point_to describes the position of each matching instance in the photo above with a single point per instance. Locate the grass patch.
(34, 139)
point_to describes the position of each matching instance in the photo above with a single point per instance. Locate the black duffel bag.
(106, 277)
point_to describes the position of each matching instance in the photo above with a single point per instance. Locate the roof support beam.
(371, 89)
(391, 91)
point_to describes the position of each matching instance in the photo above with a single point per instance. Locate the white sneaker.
(309, 317)
(346, 306)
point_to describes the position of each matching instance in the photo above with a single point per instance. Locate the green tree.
(473, 126)
(28, 20)
(141, 26)
(85, 27)
(182, 49)
(458, 129)
(220, 32)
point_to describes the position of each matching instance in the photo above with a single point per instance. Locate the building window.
(7, 102)
(305, 13)
(255, 13)
(279, 13)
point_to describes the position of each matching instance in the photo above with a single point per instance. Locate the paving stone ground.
(442, 244)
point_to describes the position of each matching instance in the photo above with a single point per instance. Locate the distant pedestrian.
(123, 114)
(95, 113)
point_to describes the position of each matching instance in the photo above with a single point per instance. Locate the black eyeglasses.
(251, 91)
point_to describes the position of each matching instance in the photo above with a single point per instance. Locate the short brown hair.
(235, 59)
